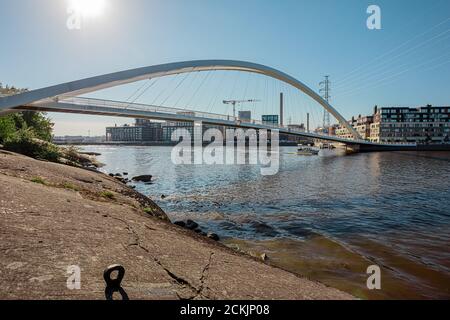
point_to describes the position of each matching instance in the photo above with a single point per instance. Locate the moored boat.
(307, 150)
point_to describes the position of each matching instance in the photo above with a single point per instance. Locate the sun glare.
(88, 8)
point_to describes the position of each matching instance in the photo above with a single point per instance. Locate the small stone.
(264, 257)
(122, 180)
(198, 230)
(111, 175)
(163, 196)
(143, 178)
(213, 236)
(125, 173)
(180, 224)
(191, 225)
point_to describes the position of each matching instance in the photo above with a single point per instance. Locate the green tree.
(37, 122)
(27, 132)
(7, 128)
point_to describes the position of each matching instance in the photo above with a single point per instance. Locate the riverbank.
(54, 216)
(379, 214)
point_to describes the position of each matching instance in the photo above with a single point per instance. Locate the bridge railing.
(160, 109)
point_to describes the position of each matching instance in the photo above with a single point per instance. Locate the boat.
(325, 145)
(307, 150)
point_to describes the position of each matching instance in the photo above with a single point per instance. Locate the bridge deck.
(134, 110)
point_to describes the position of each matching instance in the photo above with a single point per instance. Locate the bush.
(39, 180)
(24, 142)
(7, 128)
(27, 132)
(107, 195)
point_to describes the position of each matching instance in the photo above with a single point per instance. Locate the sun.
(88, 8)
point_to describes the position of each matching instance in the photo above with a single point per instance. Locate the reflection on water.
(327, 217)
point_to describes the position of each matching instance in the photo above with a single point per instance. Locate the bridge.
(66, 98)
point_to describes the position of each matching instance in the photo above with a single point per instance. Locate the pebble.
(193, 226)
(180, 224)
(213, 236)
(143, 178)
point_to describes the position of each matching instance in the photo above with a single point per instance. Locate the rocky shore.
(53, 216)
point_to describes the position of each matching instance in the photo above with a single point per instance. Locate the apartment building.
(428, 124)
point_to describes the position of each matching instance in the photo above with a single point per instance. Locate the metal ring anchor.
(114, 285)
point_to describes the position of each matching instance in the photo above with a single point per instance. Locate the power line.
(377, 83)
(388, 73)
(381, 66)
(346, 76)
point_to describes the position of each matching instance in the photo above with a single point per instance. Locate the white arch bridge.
(65, 98)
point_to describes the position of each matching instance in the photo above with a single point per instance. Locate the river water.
(327, 217)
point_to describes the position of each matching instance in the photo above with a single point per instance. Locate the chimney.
(307, 122)
(281, 109)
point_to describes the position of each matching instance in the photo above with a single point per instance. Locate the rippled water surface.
(327, 217)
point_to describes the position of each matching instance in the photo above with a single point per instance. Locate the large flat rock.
(53, 216)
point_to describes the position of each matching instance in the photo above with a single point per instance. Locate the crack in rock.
(204, 276)
(179, 280)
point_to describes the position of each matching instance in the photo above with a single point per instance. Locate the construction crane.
(236, 102)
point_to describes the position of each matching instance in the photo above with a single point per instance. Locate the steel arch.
(88, 85)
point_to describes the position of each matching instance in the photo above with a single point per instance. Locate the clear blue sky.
(405, 63)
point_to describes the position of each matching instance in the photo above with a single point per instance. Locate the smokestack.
(281, 109)
(307, 123)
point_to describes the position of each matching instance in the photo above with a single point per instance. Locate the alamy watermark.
(242, 147)
(374, 280)
(78, 11)
(74, 279)
(374, 20)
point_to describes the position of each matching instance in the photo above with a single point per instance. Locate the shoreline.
(337, 262)
(54, 216)
(387, 148)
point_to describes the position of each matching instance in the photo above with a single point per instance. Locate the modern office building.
(169, 128)
(146, 131)
(297, 127)
(271, 120)
(292, 138)
(245, 115)
(142, 131)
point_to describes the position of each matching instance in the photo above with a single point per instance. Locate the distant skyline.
(406, 63)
